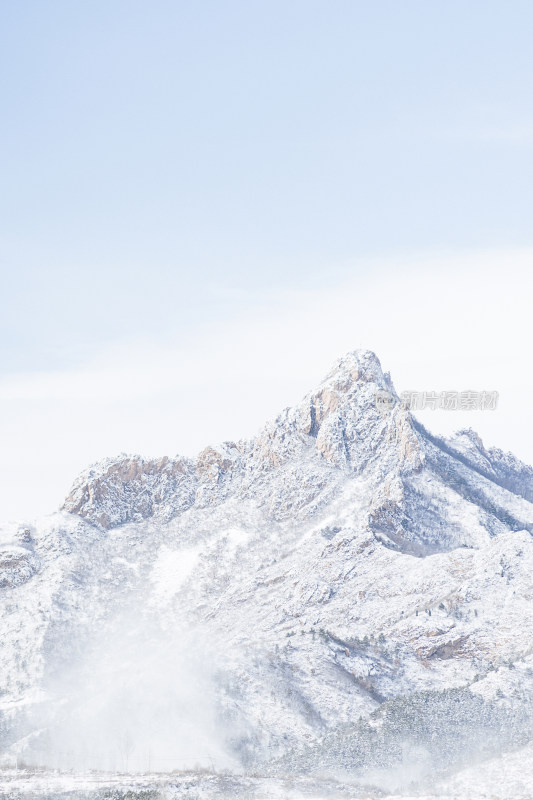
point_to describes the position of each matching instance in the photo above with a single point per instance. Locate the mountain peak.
(356, 366)
(291, 467)
(469, 435)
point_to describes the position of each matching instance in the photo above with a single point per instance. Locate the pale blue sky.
(204, 204)
(163, 163)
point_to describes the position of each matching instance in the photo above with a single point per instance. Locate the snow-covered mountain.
(344, 592)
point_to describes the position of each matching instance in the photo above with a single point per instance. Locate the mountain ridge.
(337, 425)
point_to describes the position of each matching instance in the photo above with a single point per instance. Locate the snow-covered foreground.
(509, 777)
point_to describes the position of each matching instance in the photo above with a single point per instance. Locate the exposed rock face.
(129, 488)
(342, 561)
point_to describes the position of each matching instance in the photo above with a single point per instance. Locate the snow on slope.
(291, 585)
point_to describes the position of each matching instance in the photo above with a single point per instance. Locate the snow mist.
(138, 698)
